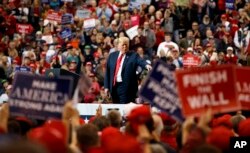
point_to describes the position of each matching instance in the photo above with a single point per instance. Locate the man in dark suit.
(120, 78)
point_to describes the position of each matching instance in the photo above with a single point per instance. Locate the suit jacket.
(129, 78)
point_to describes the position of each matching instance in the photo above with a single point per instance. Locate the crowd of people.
(141, 129)
(208, 31)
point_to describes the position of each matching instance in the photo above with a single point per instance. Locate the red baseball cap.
(223, 16)
(43, 54)
(89, 63)
(50, 138)
(58, 46)
(220, 137)
(58, 125)
(55, 58)
(32, 65)
(140, 115)
(167, 120)
(223, 121)
(96, 55)
(243, 129)
(234, 13)
(109, 133)
(158, 23)
(123, 144)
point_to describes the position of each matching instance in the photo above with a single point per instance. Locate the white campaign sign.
(132, 32)
(83, 13)
(48, 39)
(89, 23)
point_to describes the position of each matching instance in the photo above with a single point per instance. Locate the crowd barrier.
(90, 109)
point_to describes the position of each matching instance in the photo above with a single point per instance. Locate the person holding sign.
(103, 10)
(120, 78)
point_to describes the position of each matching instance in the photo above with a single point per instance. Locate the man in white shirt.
(242, 37)
(164, 49)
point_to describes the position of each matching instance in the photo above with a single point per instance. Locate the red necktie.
(118, 64)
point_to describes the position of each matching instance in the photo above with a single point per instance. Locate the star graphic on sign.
(86, 120)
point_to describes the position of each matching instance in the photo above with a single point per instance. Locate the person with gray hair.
(236, 119)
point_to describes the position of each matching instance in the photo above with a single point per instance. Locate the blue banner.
(230, 4)
(66, 33)
(67, 19)
(22, 69)
(161, 91)
(39, 97)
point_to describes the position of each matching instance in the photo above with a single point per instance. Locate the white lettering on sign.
(206, 78)
(169, 83)
(243, 87)
(26, 104)
(163, 104)
(161, 91)
(204, 89)
(201, 101)
(53, 108)
(229, 5)
(163, 70)
(240, 144)
(44, 85)
(39, 95)
(244, 97)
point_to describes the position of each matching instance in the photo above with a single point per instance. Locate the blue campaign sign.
(66, 33)
(22, 69)
(39, 97)
(67, 18)
(230, 4)
(160, 90)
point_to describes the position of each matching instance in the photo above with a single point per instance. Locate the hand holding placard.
(207, 87)
(4, 115)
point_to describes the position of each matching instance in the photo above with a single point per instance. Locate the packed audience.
(140, 130)
(206, 30)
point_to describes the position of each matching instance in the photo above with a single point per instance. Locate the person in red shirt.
(230, 57)
(42, 64)
(95, 87)
(159, 33)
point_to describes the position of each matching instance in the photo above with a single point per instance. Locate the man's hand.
(106, 91)
(4, 115)
(99, 111)
(148, 67)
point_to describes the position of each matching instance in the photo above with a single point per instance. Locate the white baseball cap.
(190, 49)
(230, 48)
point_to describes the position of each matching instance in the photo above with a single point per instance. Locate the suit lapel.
(125, 61)
(115, 57)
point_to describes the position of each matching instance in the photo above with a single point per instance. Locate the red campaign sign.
(190, 60)
(24, 28)
(135, 20)
(243, 86)
(207, 87)
(54, 16)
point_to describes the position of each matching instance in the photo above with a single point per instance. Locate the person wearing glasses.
(120, 79)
